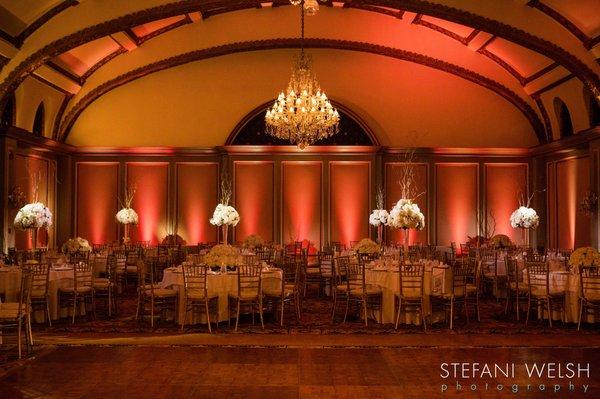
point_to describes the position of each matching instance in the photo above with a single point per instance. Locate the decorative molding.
(552, 85)
(587, 41)
(208, 8)
(49, 83)
(142, 39)
(59, 114)
(545, 117)
(19, 39)
(271, 44)
(503, 64)
(39, 143)
(97, 65)
(464, 40)
(64, 72)
(541, 72)
(567, 144)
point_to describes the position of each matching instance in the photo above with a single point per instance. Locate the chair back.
(249, 280)
(489, 262)
(590, 283)
(326, 263)
(512, 271)
(411, 280)
(291, 273)
(40, 276)
(265, 254)
(364, 258)
(460, 273)
(250, 259)
(83, 275)
(194, 277)
(341, 267)
(538, 279)
(535, 257)
(355, 276)
(79, 256)
(111, 267)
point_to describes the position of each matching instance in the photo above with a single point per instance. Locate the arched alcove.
(592, 107)
(563, 116)
(38, 122)
(251, 130)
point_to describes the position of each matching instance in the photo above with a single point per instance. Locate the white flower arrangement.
(524, 218)
(367, 246)
(406, 215)
(379, 217)
(127, 216)
(253, 241)
(225, 215)
(223, 254)
(76, 244)
(33, 216)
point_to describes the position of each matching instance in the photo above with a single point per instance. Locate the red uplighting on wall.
(302, 201)
(254, 198)
(349, 200)
(150, 201)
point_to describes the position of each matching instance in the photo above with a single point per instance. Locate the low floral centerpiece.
(127, 215)
(173, 239)
(32, 217)
(223, 255)
(367, 246)
(500, 241)
(253, 241)
(584, 257)
(76, 244)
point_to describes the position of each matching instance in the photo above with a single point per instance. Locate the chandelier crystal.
(303, 114)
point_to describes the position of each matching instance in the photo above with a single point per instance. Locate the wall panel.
(197, 196)
(456, 202)
(151, 180)
(349, 190)
(301, 201)
(551, 201)
(504, 185)
(393, 192)
(97, 201)
(254, 198)
(572, 181)
(35, 177)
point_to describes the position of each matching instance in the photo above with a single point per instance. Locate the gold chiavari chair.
(364, 295)
(16, 315)
(339, 288)
(265, 254)
(249, 259)
(457, 296)
(540, 293)
(337, 246)
(517, 290)
(289, 292)
(105, 288)
(161, 299)
(82, 291)
(589, 296)
(40, 299)
(196, 294)
(79, 256)
(474, 284)
(489, 264)
(410, 294)
(535, 257)
(249, 293)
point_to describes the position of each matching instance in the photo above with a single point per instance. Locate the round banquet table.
(220, 284)
(437, 279)
(60, 277)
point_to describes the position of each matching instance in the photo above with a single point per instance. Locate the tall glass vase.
(225, 230)
(34, 236)
(406, 243)
(126, 234)
(380, 234)
(525, 238)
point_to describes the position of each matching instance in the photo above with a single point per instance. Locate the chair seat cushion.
(522, 287)
(313, 271)
(162, 292)
(541, 292)
(369, 290)
(245, 296)
(471, 288)
(341, 287)
(198, 294)
(80, 290)
(288, 290)
(101, 283)
(38, 294)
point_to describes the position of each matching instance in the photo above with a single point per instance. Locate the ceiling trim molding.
(19, 39)
(505, 65)
(553, 85)
(60, 113)
(545, 117)
(101, 62)
(49, 83)
(271, 44)
(588, 42)
(214, 7)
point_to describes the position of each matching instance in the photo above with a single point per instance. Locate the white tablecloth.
(221, 284)
(437, 279)
(10, 284)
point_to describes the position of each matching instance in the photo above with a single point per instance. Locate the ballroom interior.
(160, 158)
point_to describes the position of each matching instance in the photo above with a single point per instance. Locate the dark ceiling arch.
(272, 44)
(214, 7)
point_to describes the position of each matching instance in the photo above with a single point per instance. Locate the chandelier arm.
(302, 26)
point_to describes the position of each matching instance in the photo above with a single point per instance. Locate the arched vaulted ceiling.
(513, 51)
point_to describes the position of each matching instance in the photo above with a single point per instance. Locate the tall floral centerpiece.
(33, 217)
(406, 214)
(379, 217)
(224, 214)
(127, 215)
(525, 218)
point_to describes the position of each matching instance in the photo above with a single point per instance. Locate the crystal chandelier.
(302, 114)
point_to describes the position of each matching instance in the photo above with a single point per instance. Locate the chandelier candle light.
(303, 114)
